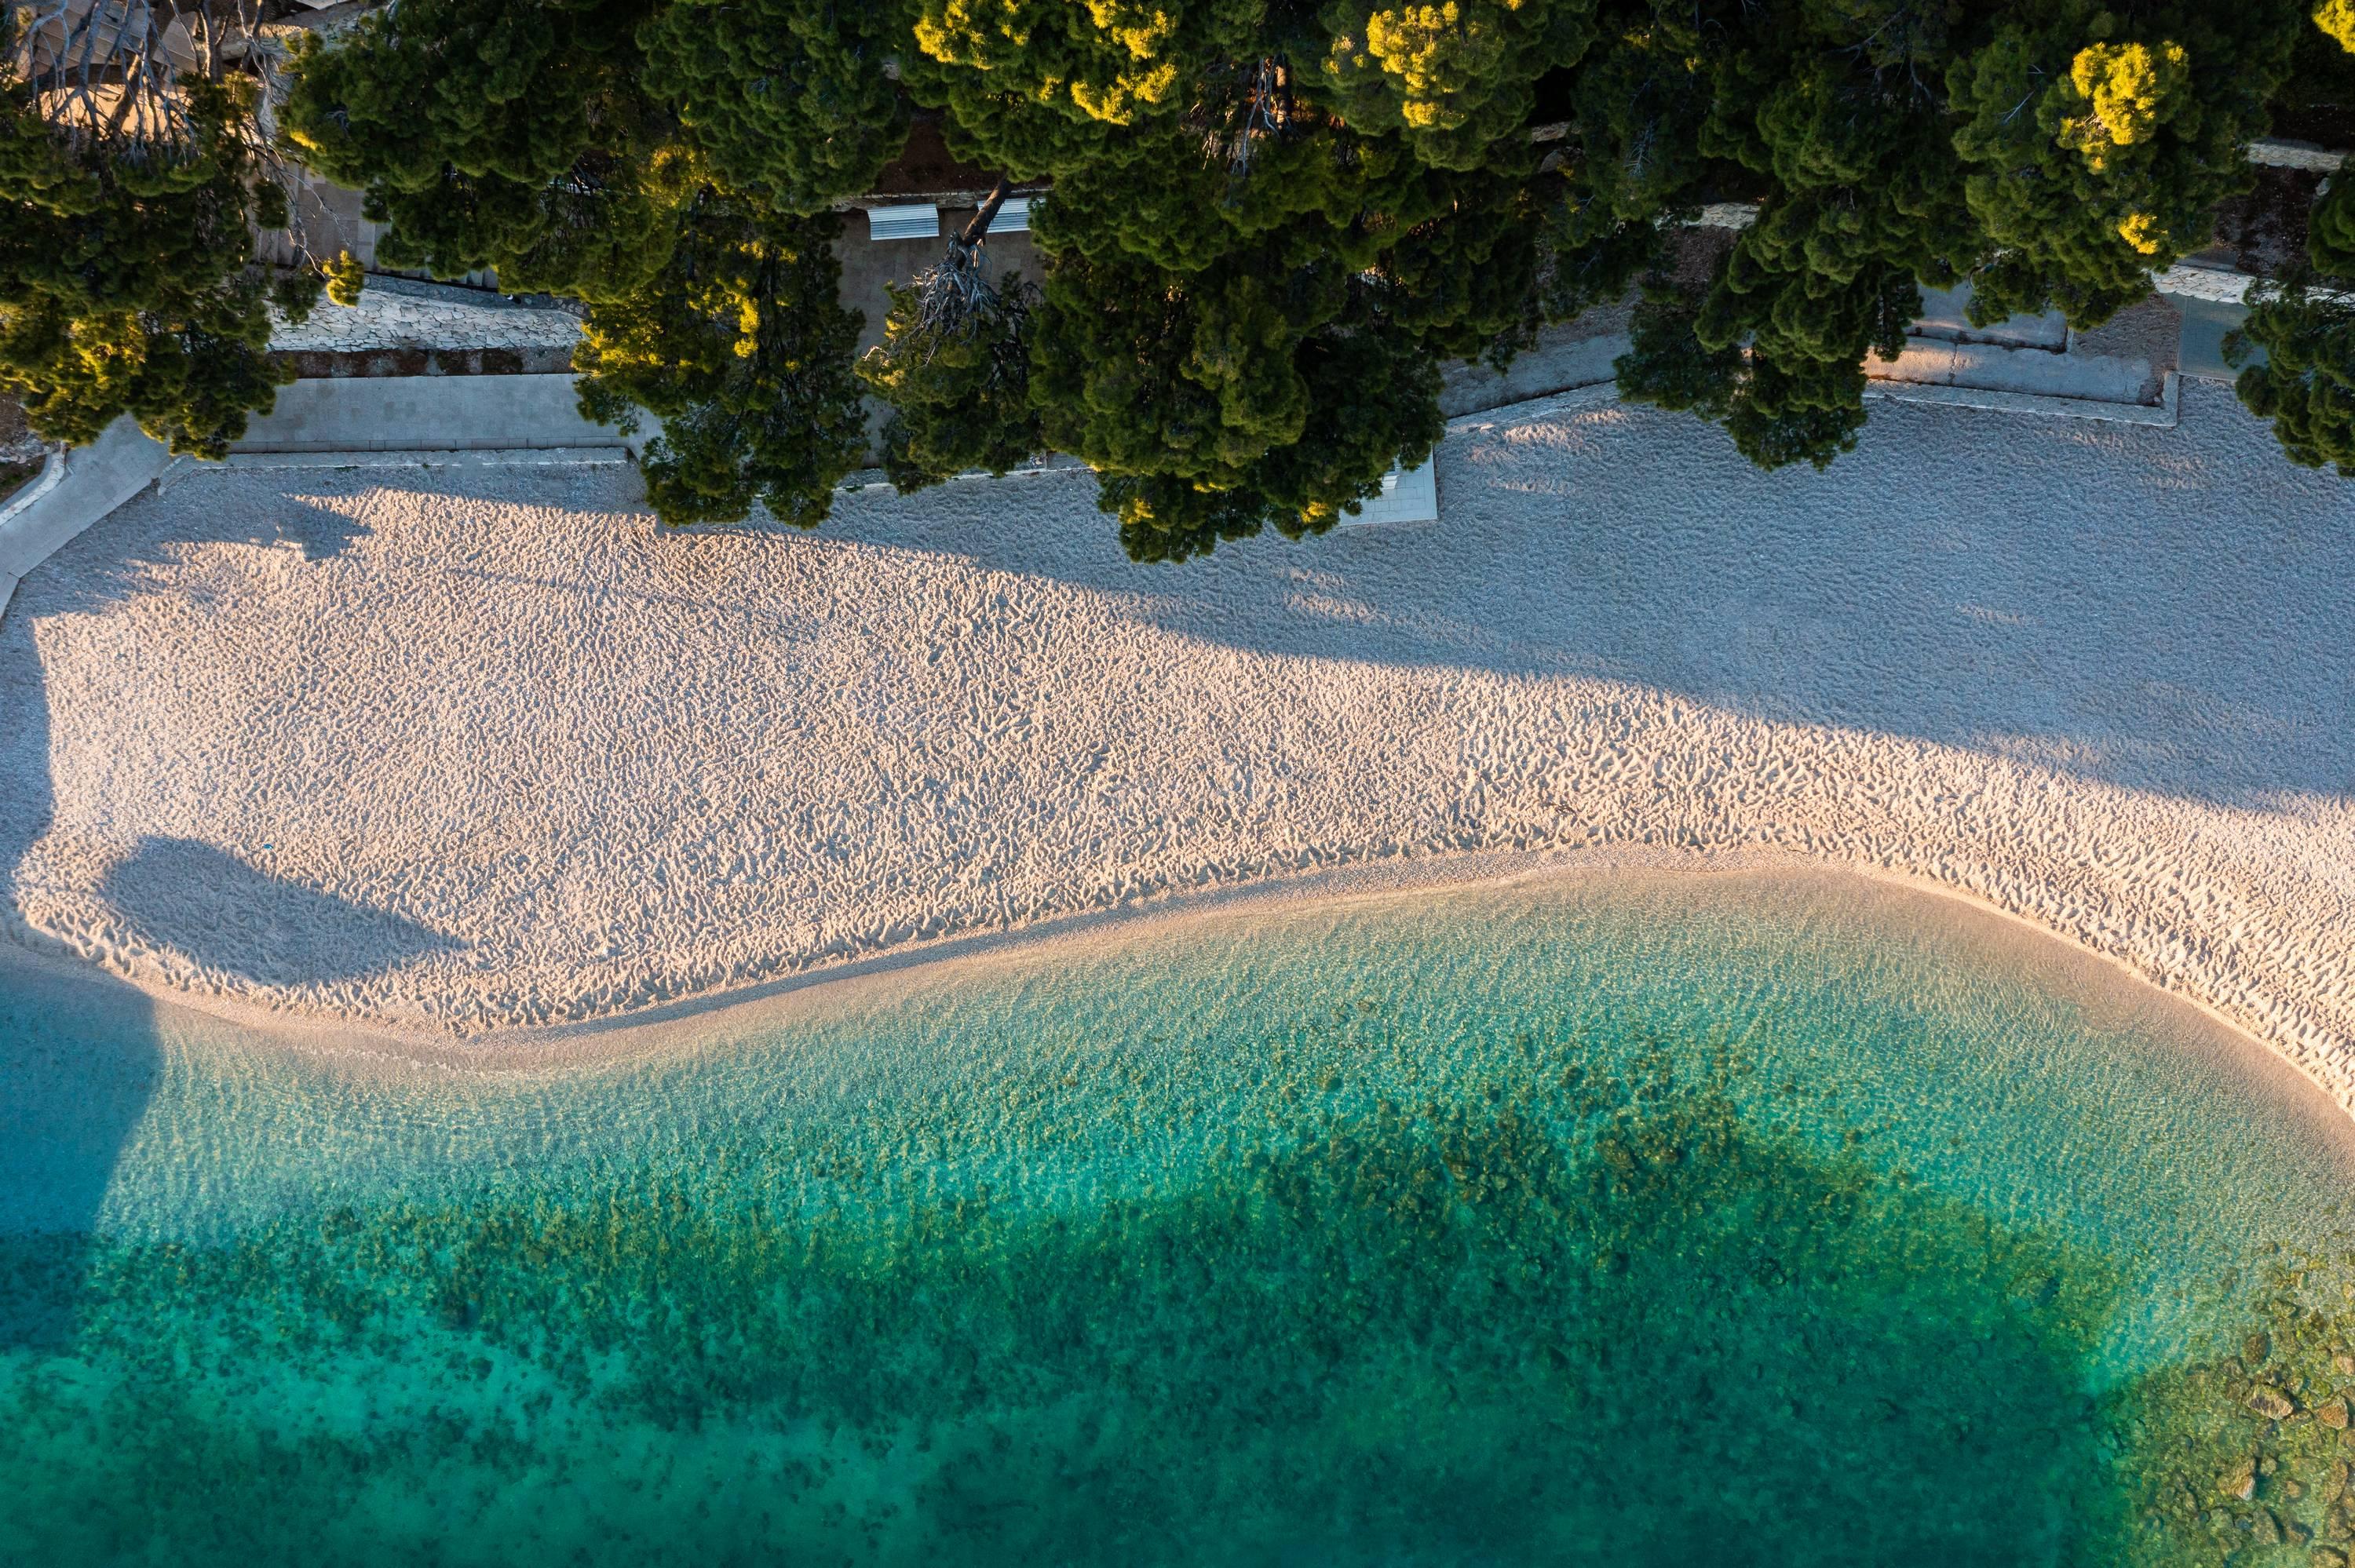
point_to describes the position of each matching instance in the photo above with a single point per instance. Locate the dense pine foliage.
(1270, 221)
(131, 190)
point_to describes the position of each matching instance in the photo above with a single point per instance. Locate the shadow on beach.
(79, 1059)
(2164, 609)
(79, 1053)
(195, 899)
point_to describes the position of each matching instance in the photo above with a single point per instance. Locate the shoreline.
(670, 1028)
(476, 762)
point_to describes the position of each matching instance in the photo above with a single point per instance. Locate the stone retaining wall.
(412, 413)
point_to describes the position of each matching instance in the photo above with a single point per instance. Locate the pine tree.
(1668, 365)
(1799, 409)
(2322, 71)
(1454, 77)
(1229, 287)
(1158, 195)
(955, 365)
(2337, 20)
(740, 348)
(2101, 141)
(1370, 402)
(1035, 86)
(2330, 228)
(1217, 403)
(1633, 163)
(515, 136)
(2307, 383)
(1460, 251)
(1466, 280)
(960, 398)
(127, 280)
(1837, 109)
(785, 99)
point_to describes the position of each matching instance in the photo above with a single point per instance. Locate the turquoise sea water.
(1727, 1219)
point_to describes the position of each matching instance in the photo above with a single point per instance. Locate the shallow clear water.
(1747, 1218)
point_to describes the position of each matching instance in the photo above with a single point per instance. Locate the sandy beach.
(468, 750)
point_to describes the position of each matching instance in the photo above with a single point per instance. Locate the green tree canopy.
(1033, 87)
(1632, 165)
(1218, 403)
(2307, 383)
(1244, 310)
(1837, 113)
(127, 279)
(1315, 187)
(740, 348)
(515, 135)
(2330, 228)
(1269, 223)
(1465, 280)
(1633, 162)
(1454, 77)
(2100, 143)
(1777, 413)
(786, 99)
(955, 365)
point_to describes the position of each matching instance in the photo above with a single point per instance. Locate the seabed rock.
(2272, 1403)
(2240, 1481)
(2332, 1413)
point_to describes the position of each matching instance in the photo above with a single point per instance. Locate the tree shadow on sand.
(192, 899)
(2164, 609)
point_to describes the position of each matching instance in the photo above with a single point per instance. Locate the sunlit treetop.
(1453, 76)
(2122, 93)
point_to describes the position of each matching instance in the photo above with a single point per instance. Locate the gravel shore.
(469, 750)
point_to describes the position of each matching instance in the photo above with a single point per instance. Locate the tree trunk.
(978, 229)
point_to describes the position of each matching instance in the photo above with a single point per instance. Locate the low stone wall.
(427, 413)
(2276, 152)
(77, 488)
